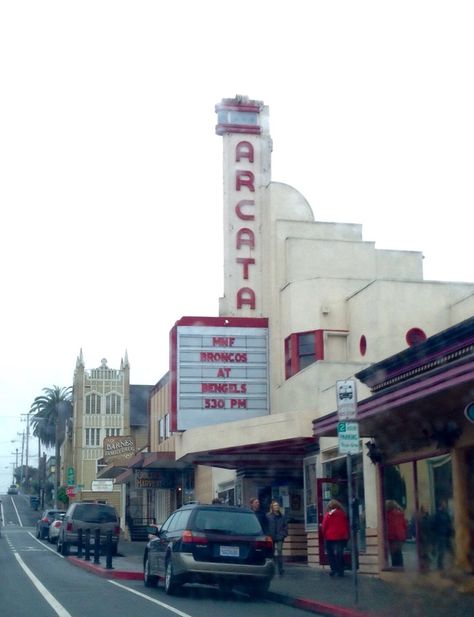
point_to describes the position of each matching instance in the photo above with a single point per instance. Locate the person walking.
(278, 530)
(335, 530)
(397, 528)
(443, 532)
(259, 513)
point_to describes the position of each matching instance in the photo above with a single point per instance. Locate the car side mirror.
(153, 530)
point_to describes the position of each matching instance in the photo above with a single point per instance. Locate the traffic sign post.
(349, 444)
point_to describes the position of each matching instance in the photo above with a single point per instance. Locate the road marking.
(45, 546)
(15, 508)
(143, 595)
(50, 599)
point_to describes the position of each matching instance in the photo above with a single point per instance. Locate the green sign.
(348, 435)
(71, 476)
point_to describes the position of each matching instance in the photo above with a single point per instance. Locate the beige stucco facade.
(358, 303)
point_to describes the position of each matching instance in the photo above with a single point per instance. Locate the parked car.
(88, 515)
(53, 531)
(42, 525)
(211, 544)
(12, 489)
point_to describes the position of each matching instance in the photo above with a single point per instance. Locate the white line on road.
(50, 599)
(143, 595)
(17, 513)
(53, 550)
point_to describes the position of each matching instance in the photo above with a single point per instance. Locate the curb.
(105, 572)
(313, 606)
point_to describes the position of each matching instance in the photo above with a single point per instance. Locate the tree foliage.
(49, 413)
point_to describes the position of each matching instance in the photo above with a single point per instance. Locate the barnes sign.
(119, 449)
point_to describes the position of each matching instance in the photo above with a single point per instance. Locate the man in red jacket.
(335, 530)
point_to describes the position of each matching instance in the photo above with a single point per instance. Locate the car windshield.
(227, 522)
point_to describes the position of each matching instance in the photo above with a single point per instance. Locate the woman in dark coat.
(278, 530)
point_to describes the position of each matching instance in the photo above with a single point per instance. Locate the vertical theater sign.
(245, 176)
(219, 365)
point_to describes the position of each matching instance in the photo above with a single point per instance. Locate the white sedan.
(53, 531)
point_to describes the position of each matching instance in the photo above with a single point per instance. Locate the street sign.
(70, 491)
(70, 476)
(346, 398)
(348, 435)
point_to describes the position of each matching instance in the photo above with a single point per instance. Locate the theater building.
(306, 303)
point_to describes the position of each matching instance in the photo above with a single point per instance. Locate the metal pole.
(26, 456)
(351, 525)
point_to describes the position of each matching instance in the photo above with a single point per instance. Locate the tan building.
(328, 304)
(107, 410)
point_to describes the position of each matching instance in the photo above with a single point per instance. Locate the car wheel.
(58, 545)
(150, 580)
(171, 584)
(38, 533)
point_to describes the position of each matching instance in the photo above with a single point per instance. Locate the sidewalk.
(315, 591)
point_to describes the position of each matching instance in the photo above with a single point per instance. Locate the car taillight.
(44, 520)
(264, 543)
(190, 537)
(117, 531)
(69, 526)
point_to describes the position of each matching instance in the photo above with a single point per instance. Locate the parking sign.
(348, 435)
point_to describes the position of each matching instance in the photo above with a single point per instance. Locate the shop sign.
(102, 485)
(119, 450)
(148, 478)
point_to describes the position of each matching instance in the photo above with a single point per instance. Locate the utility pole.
(27, 442)
(22, 472)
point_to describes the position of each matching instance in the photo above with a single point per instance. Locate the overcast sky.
(111, 173)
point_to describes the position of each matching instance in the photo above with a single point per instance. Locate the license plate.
(229, 551)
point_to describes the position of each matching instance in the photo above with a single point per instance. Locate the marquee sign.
(219, 371)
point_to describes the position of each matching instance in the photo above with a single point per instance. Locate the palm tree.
(49, 421)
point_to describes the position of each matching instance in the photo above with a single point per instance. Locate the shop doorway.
(422, 491)
(334, 486)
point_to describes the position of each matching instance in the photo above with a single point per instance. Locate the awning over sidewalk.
(283, 454)
(419, 394)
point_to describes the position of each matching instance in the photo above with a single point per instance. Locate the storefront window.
(422, 491)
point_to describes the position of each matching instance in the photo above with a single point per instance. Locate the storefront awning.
(282, 454)
(420, 397)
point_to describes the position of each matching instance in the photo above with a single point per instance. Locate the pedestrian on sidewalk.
(397, 528)
(335, 528)
(278, 530)
(443, 533)
(259, 513)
